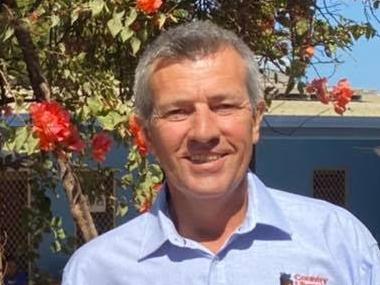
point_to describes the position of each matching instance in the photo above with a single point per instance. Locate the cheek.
(238, 130)
(167, 138)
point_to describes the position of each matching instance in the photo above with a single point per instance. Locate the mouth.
(204, 158)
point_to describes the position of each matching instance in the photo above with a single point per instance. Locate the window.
(330, 185)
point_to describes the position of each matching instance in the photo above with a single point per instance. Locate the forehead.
(215, 74)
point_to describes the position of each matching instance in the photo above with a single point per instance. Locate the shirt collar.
(262, 209)
(159, 227)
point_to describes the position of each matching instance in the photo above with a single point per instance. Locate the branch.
(38, 82)
(79, 205)
(6, 87)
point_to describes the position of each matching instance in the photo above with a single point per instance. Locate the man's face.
(203, 126)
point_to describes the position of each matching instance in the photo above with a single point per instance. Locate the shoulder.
(106, 252)
(334, 225)
(128, 233)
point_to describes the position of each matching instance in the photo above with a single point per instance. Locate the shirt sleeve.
(370, 271)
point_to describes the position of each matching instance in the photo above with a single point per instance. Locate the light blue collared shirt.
(284, 238)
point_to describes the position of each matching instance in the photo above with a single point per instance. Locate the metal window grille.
(330, 185)
(14, 197)
(102, 208)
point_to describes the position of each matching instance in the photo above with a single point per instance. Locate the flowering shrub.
(149, 6)
(101, 145)
(52, 125)
(340, 95)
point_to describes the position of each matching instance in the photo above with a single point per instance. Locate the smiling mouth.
(204, 158)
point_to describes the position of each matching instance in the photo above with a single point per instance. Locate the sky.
(362, 65)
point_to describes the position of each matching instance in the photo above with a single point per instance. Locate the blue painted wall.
(53, 263)
(288, 164)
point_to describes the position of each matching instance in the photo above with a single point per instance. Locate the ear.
(256, 124)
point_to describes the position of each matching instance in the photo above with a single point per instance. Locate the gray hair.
(191, 41)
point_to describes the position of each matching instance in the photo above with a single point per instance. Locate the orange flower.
(137, 134)
(342, 94)
(145, 206)
(149, 6)
(319, 87)
(101, 145)
(148, 202)
(51, 123)
(308, 52)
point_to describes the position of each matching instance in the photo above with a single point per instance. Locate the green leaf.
(61, 234)
(181, 13)
(21, 136)
(8, 33)
(96, 7)
(131, 17)
(122, 210)
(48, 164)
(75, 15)
(56, 246)
(127, 179)
(115, 25)
(87, 87)
(54, 21)
(126, 34)
(161, 21)
(111, 120)
(31, 144)
(302, 27)
(94, 104)
(135, 44)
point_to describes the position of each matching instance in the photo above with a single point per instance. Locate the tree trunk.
(79, 206)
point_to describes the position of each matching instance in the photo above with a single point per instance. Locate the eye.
(224, 109)
(178, 114)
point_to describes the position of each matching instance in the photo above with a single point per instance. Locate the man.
(198, 97)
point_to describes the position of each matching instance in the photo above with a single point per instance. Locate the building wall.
(288, 163)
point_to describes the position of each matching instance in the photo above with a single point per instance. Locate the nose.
(204, 128)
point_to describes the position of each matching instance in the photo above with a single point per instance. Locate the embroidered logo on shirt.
(299, 279)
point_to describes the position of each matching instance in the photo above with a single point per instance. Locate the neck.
(209, 221)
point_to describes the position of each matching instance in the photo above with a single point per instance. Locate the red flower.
(342, 92)
(149, 6)
(137, 134)
(101, 145)
(319, 86)
(51, 123)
